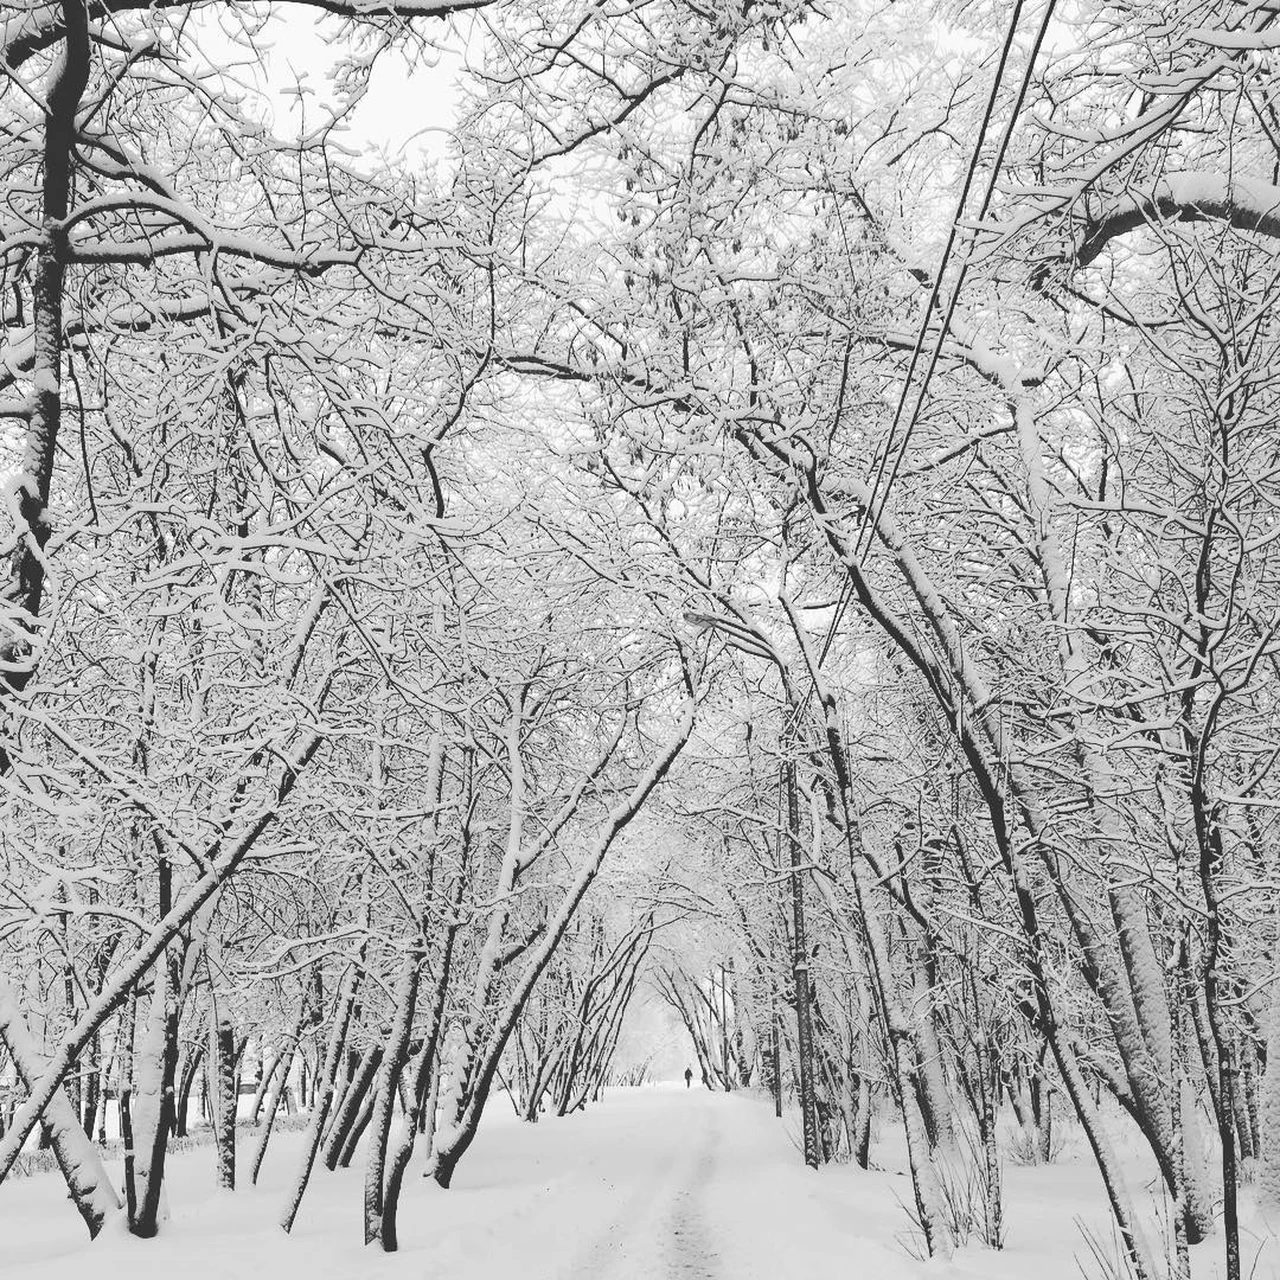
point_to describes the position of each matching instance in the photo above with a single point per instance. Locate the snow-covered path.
(663, 1184)
(650, 1184)
(659, 1226)
(675, 1184)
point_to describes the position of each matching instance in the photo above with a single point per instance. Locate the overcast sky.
(405, 111)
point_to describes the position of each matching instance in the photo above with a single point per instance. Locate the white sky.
(406, 111)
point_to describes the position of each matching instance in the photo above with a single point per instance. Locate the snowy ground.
(651, 1184)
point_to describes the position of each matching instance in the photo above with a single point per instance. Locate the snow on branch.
(42, 27)
(1247, 203)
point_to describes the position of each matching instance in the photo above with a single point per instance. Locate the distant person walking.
(688, 1077)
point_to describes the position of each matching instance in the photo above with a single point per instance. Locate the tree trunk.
(189, 1072)
(353, 1102)
(425, 1086)
(1269, 1172)
(93, 1084)
(800, 973)
(87, 1179)
(357, 1130)
(25, 591)
(280, 1074)
(320, 1109)
(225, 1102)
(153, 1101)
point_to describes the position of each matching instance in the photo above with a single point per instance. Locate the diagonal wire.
(869, 519)
(870, 514)
(997, 165)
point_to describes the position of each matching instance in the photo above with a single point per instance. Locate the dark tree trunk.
(337, 1045)
(352, 1102)
(385, 1094)
(800, 970)
(24, 592)
(226, 1100)
(189, 1072)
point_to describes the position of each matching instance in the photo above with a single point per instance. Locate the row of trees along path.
(853, 526)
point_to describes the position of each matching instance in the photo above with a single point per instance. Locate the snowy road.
(673, 1184)
(650, 1184)
(659, 1227)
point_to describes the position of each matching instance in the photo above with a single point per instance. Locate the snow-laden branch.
(1248, 40)
(618, 819)
(455, 1138)
(224, 858)
(311, 262)
(17, 356)
(81, 1165)
(1198, 195)
(41, 27)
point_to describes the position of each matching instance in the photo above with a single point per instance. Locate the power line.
(870, 514)
(869, 520)
(997, 165)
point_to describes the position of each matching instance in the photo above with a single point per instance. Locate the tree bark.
(225, 1102)
(87, 1179)
(25, 592)
(1269, 1173)
(800, 975)
(324, 1088)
